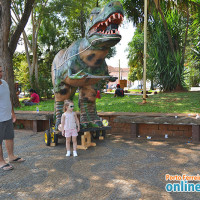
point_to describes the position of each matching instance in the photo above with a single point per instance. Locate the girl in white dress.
(70, 126)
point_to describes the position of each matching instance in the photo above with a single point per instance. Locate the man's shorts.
(6, 130)
(72, 132)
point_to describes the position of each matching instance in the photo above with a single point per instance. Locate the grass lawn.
(181, 102)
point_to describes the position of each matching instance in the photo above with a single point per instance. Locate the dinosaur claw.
(78, 76)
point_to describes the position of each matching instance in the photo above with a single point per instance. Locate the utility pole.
(145, 51)
(119, 71)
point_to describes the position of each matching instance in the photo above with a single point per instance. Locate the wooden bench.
(167, 120)
(33, 120)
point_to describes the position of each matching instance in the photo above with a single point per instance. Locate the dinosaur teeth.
(109, 26)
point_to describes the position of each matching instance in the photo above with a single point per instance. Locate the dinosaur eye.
(110, 5)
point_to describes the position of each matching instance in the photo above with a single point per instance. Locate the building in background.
(114, 71)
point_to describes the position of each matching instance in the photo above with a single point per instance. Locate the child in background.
(70, 126)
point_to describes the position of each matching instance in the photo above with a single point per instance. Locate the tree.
(8, 41)
(21, 71)
(31, 41)
(135, 56)
(193, 51)
(176, 47)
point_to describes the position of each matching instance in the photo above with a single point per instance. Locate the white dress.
(70, 121)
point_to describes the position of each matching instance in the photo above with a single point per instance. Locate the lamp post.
(145, 51)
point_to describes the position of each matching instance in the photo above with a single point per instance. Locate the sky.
(127, 32)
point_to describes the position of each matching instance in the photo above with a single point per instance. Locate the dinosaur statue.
(83, 64)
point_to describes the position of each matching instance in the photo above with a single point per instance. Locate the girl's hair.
(66, 104)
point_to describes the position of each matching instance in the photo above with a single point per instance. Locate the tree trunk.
(30, 67)
(5, 54)
(81, 22)
(152, 87)
(35, 29)
(35, 61)
(7, 49)
(186, 34)
(7, 64)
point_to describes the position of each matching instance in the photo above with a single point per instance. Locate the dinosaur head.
(102, 27)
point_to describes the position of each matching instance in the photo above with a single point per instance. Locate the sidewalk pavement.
(115, 169)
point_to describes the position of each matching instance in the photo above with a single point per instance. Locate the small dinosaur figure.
(83, 64)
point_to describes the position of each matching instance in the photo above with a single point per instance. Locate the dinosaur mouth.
(108, 26)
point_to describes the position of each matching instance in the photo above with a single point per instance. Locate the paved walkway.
(115, 169)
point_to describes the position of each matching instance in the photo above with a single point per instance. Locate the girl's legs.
(74, 140)
(68, 139)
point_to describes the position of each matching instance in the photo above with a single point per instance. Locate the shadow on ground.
(116, 168)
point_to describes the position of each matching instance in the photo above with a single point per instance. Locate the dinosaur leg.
(58, 112)
(64, 94)
(87, 101)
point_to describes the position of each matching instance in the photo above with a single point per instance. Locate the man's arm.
(13, 115)
(31, 99)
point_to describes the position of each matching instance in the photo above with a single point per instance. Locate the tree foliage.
(193, 52)
(135, 56)
(21, 71)
(168, 25)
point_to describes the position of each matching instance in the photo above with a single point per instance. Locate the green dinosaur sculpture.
(83, 63)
